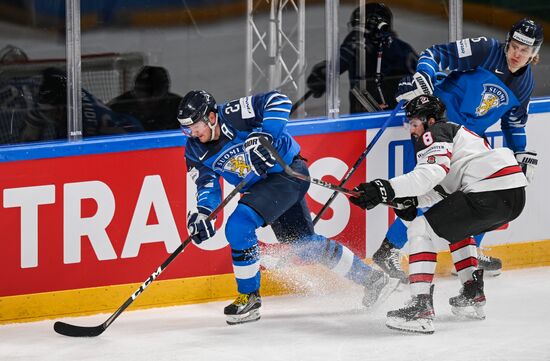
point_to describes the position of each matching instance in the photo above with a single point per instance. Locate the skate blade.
(488, 273)
(391, 286)
(421, 325)
(251, 316)
(471, 312)
(492, 273)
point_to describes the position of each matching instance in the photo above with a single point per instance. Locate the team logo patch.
(431, 159)
(233, 160)
(492, 96)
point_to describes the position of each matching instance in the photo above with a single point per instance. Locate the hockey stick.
(92, 331)
(291, 172)
(363, 155)
(301, 101)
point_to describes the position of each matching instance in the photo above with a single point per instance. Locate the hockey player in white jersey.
(480, 189)
(489, 81)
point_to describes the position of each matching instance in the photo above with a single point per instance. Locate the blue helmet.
(526, 32)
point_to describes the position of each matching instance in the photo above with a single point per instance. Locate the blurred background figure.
(150, 100)
(386, 59)
(51, 111)
(11, 54)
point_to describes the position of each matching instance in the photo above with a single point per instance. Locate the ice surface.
(324, 323)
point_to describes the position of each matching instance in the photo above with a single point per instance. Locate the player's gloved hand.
(373, 193)
(198, 227)
(528, 162)
(316, 81)
(405, 208)
(411, 86)
(258, 156)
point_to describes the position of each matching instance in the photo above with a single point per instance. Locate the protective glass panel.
(156, 52)
(380, 43)
(32, 94)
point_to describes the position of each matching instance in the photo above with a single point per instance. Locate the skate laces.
(393, 259)
(242, 299)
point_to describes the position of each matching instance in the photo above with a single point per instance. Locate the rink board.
(85, 223)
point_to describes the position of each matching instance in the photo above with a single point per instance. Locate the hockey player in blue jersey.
(489, 80)
(224, 142)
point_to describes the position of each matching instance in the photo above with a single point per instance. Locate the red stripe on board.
(423, 257)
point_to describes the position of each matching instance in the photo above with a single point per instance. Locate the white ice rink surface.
(321, 325)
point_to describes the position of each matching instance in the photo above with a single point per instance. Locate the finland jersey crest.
(492, 96)
(233, 160)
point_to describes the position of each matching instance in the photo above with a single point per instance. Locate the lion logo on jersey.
(233, 160)
(238, 165)
(492, 96)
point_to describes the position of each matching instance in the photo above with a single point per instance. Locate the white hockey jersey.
(459, 160)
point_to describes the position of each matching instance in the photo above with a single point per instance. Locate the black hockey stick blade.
(92, 331)
(67, 329)
(291, 172)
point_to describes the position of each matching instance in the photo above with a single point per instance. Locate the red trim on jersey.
(465, 242)
(423, 257)
(478, 136)
(421, 277)
(465, 263)
(445, 168)
(512, 169)
(448, 155)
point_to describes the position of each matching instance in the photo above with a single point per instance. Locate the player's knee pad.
(241, 226)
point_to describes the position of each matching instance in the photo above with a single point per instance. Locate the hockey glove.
(258, 156)
(528, 162)
(405, 208)
(198, 227)
(316, 81)
(373, 193)
(410, 87)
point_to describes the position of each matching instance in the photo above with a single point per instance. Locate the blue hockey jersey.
(510, 93)
(225, 157)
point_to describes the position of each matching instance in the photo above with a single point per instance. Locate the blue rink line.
(174, 138)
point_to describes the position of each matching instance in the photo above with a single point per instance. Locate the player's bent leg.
(418, 314)
(245, 253)
(342, 261)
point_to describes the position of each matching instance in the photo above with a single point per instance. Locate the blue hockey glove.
(258, 156)
(198, 227)
(410, 87)
(528, 162)
(373, 193)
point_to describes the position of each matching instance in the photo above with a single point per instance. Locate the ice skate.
(491, 266)
(387, 258)
(246, 308)
(378, 288)
(417, 315)
(469, 303)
